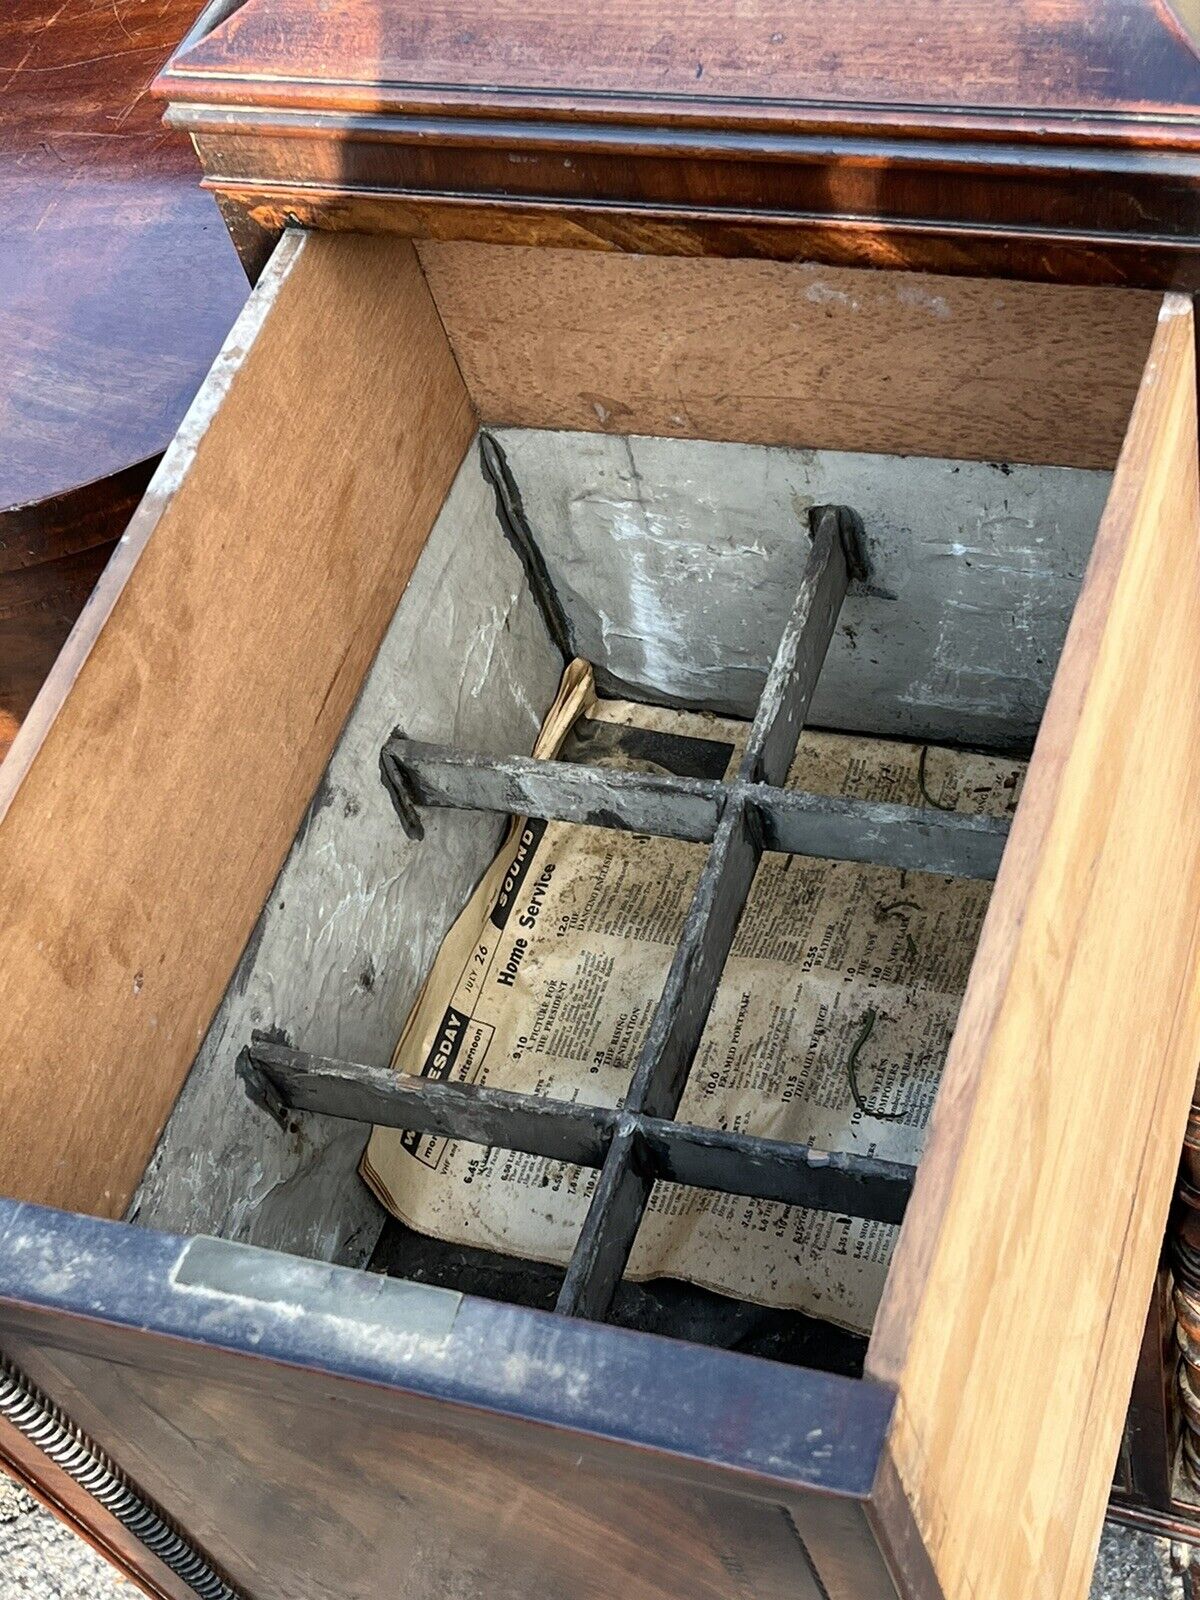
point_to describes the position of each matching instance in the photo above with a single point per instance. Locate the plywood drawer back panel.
(788, 353)
(1012, 1317)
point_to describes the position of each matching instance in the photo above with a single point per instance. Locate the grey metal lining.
(677, 562)
(640, 1143)
(357, 914)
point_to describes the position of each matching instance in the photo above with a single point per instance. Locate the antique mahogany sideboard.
(934, 262)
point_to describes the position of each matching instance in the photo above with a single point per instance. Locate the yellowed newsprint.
(830, 1027)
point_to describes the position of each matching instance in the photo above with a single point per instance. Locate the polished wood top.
(1059, 57)
(1025, 138)
(117, 285)
(117, 279)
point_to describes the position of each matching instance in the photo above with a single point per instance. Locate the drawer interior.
(675, 563)
(673, 558)
(660, 429)
(339, 543)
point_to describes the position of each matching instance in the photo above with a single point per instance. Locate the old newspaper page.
(830, 1027)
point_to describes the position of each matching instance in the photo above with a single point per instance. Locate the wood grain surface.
(771, 353)
(258, 210)
(117, 281)
(117, 286)
(153, 791)
(1053, 139)
(1053, 55)
(1011, 1320)
(322, 1432)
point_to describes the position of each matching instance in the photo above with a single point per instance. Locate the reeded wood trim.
(982, 251)
(1104, 217)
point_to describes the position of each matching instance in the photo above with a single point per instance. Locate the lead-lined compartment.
(285, 525)
(674, 566)
(640, 1142)
(497, 538)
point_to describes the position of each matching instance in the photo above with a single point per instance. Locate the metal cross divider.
(639, 1143)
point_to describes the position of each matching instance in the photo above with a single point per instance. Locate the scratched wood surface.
(1011, 1321)
(117, 282)
(117, 286)
(1097, 55)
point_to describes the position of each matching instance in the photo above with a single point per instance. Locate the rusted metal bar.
(836, 556)
(695, 972)
(558, 791)
(679, 1019)
(609, 1229)
(557, 1129)
(951, 844)
(290, 1080)
(773, 1169)
(794, 821)
(617, 1208)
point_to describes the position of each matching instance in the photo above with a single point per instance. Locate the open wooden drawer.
(316, 1430)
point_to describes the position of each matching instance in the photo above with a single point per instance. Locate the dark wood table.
(117, 285)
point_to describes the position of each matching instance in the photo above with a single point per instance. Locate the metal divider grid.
(640, 1143)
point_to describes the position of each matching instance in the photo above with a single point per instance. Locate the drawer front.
(321, 1432)
(1012, 1318)
(1020, 145)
